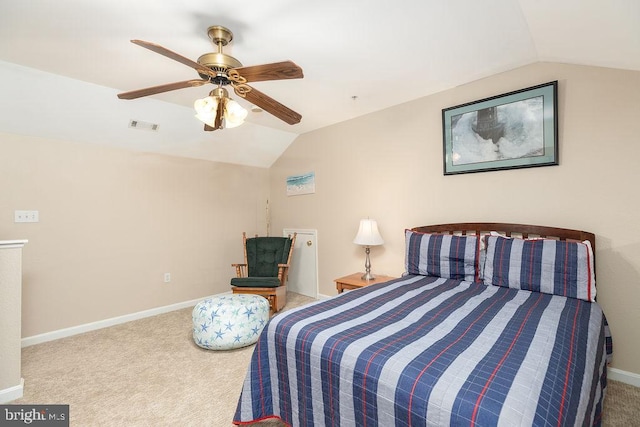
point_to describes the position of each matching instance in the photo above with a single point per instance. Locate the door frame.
(286, 231)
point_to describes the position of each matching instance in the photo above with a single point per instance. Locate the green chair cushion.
(265, 253)
(255, 282)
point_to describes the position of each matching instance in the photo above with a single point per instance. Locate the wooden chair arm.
(241, 270)
(283, 269)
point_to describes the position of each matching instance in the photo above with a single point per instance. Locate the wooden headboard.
(515, 230)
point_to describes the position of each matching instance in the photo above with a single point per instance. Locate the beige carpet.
(150, 373)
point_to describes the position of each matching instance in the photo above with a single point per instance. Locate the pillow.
(442, 255)
(541, 265)
(483, 253)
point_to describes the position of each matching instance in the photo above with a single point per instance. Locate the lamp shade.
(234, 114)
(368, 234)
(207, 109)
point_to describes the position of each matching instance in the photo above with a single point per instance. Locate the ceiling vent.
(137, 124)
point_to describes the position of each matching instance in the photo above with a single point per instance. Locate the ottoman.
(229, 321)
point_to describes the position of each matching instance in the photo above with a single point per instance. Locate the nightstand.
(355, 281)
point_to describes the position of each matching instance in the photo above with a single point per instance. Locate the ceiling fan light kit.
(217, 110)
(218, 100)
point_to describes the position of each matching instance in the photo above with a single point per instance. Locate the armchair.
(265, 269)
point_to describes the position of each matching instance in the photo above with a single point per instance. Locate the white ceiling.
(63, 62)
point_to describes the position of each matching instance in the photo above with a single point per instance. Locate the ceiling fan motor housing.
(221, 63)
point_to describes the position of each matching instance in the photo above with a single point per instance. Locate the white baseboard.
(80, 329)
(12, 393)
(323, 296)
(623, 376)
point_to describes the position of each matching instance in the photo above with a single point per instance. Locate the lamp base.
(367, 265)
(368, 276)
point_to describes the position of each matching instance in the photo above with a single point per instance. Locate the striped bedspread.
(429, 351)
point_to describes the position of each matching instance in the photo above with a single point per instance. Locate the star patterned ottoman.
(229, 321)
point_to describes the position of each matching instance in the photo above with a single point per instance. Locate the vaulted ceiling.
(63, 62)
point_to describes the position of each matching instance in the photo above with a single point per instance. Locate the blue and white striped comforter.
(429, 351)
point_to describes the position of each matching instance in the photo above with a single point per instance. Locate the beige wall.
(112, 222)
(388, 165)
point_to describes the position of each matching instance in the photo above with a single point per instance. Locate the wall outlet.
(26, 216)
(167, 277)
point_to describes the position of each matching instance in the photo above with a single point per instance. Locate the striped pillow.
(541, 265)
(442, 255)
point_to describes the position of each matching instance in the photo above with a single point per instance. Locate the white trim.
(323, 296)
(12, 393)
(623, 376)
(87, 327)
(11, 244)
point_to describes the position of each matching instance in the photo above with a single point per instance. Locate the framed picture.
(514, 130)
(301, 184)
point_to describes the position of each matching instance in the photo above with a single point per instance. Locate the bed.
(491, 324)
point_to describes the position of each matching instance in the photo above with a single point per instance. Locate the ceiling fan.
(221, 70)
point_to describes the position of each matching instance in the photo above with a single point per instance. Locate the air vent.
(137, 124)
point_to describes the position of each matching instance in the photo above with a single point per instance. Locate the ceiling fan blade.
(175, 56)
(218, 120)
(161, 89)
(270, 105)
(276, 71)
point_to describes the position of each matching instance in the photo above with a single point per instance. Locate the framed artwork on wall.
(514, 130)
(301, 184)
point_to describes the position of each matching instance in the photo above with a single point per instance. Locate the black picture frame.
(517, 129)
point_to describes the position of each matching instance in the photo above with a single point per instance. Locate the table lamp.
(368, 235)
